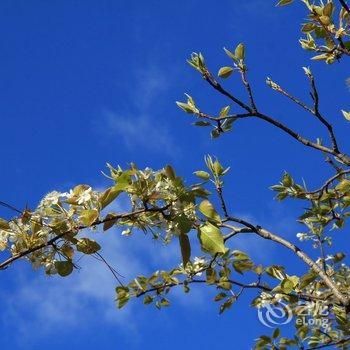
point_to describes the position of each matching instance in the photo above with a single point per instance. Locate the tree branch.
(252, 113)
(328, 182)
(26, 252)
(302, 255)
(335, 343)
(345, 6)
(301, 296)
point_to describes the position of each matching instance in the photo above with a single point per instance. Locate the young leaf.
(123, 296)
(284, 2)
(211, 239)
(64, 268)
(201, 123)
(230, 54)
(240, 51)
(87, 246)
(185, 248)
(207, 209)
(109, 196)
(225, 72)
(346, 115)
(224, 111)
(202, 174)
(88, 217)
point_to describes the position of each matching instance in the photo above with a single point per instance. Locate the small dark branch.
(218, 187)
(252, 113)
(254, 285)
(345, 6)
(111, 268)
(302, 104)
(203, 115)
(328, 183)
(9, 206)
(239, 293)
(318, 115)
(298, 137)
(314, 111)
(326, 334)
(215, 84)
(247, 86)
(323, 255)
(333, 164)
(235, 231)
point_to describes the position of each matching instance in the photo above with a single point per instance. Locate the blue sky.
(85, 83)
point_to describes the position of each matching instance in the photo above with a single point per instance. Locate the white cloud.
(140, 126)
(140, 132)
(55, 304)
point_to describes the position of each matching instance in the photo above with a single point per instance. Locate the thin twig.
(345, 6)
(328, 183)
(246, 84)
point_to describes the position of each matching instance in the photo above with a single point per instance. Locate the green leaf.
(289, 283)
(240, 255)
(276, 333)
(89, 216)
(230, 54)
(220, 296)
(328, 9)
(170, 172)
(240, 51)
(346, 115)
(183, 223)
(210, 275)
(321, 57)
(287, 180)
(87, 246)
(308, 27)
(215, 133)
(64, 268)
(147, 300)
(225, 72)
(343, 186)
(207, 209)
(338, 257)
(4, 225)
(227, 304)
(185, 248)
(276, 271)
(67, 250)
(308, 278)
(185, 107)
(123, 296)
(243, 265)
(284, 2)
(109, 196)
(201, 123)
(224, 111)
(211, 239)
(109, 221)
(164, 302)
(202, 174)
